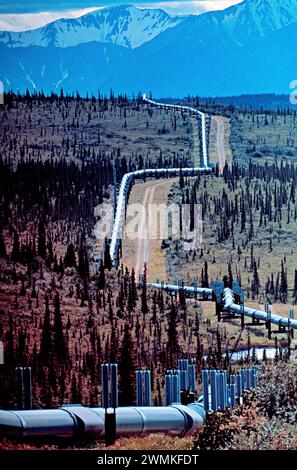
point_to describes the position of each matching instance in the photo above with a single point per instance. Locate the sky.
(22, 15)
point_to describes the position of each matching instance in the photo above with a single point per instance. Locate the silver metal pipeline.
(194, 111)
(75, 420)
(260, 315)
(229, 305)
(125, 186)
(188, 290)
(128, 178)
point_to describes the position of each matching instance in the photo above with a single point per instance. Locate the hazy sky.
(18, 16)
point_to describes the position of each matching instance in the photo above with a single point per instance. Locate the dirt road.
(143, 242)
(220, 142)
(196, 145)
(144, 249)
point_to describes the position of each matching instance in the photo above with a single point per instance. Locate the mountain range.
(247, 48)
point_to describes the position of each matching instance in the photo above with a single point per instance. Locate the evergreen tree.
(83, 263)
(46, 335)
(107, 258)
(15, 254)
(283, 284)
(60, 348)
(295, 286)
(172, 341)
(206, 282)
(127, 367)
(41, 239)
(101, 277)
(70, 260)
(2, 246)
(144, 306)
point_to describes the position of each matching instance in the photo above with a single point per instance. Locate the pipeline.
(181, 416)
(188, 290)
(78, 421)
(126, 184)
(128, 179)
(229, 304)
(194, 111)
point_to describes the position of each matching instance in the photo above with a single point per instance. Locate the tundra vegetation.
(64, 318)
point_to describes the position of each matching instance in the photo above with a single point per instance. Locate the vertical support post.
(178, 373)
(183, 377)
(218, 387)
(213, 388)
(228, 396)
(243, 378)
(139, 388)
(192, 377)
(147, 388)
(175, 389)
(205, 389)
(110, 427)
(186, 369)
(28, 388)
(114, 386)
(239, 386)
(104, 383)
(242, 315)
(254, 377)
(268, 321)
(19, 387)
(232, 395)
(225, 389)
(292, 315)
(168, 390)
(248, 378)
(222, 391)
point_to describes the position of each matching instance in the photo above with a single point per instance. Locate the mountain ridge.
(123, 25)
(217, 53)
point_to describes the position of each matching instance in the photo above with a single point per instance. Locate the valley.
(148, 220)
(45, 283)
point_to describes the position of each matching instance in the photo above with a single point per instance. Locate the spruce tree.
(15, 254)
(41, 239)
(107, 258)
(172, 341)
(101, 277)
(127, 367)
(46, 335)
(70, 260)
(60, 348)
(144, 306)
(2, 246)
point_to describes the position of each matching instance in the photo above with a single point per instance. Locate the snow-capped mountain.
(237, 24)
(121, 25)
(247, 48)
(254, 17)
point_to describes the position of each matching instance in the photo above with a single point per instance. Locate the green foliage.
(266, 421)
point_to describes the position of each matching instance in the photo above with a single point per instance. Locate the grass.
(115, 130)
(253, 137)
